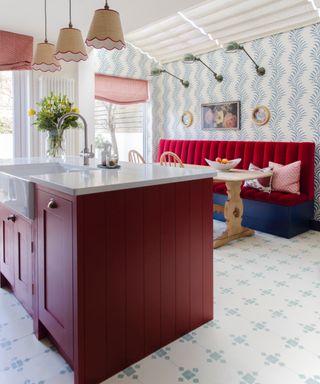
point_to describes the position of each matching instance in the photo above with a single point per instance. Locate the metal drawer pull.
(13, 218)
(52, 204)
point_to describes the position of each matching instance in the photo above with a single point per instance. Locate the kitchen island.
(123, 262)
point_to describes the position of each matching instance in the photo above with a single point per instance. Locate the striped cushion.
(286, 178)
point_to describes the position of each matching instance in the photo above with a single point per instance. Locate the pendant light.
(43, 59)
(105, 30)
(70, 45)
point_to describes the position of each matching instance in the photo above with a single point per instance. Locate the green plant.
(51, 109)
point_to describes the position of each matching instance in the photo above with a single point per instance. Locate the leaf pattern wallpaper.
(290, 89)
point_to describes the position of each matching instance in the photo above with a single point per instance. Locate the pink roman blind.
(15, 51)
(121, 90)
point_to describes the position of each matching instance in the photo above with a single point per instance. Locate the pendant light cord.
(45, 22)
(70, 11)
(106, 6)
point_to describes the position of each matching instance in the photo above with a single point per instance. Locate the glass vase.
(55, 145)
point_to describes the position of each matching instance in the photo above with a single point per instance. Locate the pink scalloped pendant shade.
(105, 30)
(70, 45)
(44, 60)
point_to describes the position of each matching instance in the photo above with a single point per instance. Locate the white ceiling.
(155, 26)
(26, 16)
(225, 20)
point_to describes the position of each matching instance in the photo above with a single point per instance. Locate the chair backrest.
(135, 157)
(171, 159)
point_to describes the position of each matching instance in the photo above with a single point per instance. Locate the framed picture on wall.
(261, 115)
(225, 115)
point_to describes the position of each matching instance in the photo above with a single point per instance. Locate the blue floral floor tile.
(266, 328)
(278, 375)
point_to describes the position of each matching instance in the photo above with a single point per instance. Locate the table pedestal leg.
(233, 211)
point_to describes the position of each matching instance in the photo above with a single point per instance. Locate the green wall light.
(189, 58)
(233, 46)
(159, 71)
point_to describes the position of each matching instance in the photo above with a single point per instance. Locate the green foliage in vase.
(51, 109)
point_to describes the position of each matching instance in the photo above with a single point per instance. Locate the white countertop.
(128, 176)
(19, 176)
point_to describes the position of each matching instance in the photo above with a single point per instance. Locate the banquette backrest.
(256, 152)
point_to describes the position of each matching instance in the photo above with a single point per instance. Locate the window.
(14, 122)
(6, 114)
(129, 121)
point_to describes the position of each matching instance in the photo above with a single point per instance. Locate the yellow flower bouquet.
(51, 109)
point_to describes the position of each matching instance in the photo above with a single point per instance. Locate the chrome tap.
(86, 153)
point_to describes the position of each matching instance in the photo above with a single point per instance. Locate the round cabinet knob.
(52, 204)
(12, 218)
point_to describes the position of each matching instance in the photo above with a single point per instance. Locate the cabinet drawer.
(22, 256)
(6, 246)
(54, 223)
(16, 255)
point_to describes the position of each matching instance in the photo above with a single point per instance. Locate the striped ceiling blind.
(15, 51)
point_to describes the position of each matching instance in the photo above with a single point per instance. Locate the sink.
(16, 188)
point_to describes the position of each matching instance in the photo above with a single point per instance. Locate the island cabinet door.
(22, 257)
(54, 227)
(6, 249)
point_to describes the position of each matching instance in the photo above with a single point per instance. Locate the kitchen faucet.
(86, 153)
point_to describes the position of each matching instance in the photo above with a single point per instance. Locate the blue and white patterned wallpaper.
(290, 89)
(128, 62)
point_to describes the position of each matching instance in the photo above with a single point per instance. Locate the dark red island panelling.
(142, 273)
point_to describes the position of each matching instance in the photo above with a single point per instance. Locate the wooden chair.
(171, 159)
(135, 157)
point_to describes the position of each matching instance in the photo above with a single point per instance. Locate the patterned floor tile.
(25, 347)
(62, 378)
(231, 326)
(17, 328)
(278, 375)
(266, 342)
(242, 356)
(217, 372)
(302, 362)
(212, 335)
(149, 369)
(266, 328)
(311, 342)
(186, 353)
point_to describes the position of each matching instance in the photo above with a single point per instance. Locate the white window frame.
(21, 121)
(146, 131)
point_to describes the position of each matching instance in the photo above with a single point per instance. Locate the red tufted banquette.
(281, 214)
(258, 153)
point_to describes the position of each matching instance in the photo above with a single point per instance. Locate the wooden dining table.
(233, 207)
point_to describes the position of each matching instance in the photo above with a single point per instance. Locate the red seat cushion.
(281, 198)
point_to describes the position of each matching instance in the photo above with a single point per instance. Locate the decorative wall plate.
(261, 115)
(187, 119)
